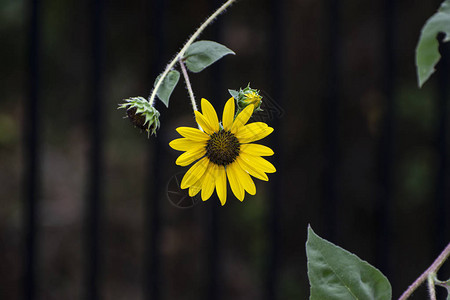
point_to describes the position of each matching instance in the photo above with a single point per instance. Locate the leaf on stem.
(427, 51)
(167, 86)
(336, 274)
(202, 54)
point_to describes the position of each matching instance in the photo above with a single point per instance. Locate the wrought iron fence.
(277, 43)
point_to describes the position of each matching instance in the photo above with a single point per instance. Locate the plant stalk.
(431, 270)
(431, 287)
(180, 54)
(188, 85)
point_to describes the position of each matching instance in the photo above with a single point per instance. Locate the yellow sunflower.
(223, 151)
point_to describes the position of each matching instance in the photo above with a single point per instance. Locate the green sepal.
(142, 114)
(167, 86)
(234, 93)
(336, 274)
(202, 54)
(427, 51)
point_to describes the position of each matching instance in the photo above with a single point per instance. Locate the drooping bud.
(142, 114)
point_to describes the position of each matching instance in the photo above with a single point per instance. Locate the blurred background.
(361, 152)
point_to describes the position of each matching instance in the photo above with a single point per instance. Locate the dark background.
(361, 152)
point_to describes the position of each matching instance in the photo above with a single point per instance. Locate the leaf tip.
(311, 233)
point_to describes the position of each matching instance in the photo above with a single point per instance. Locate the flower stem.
(431, 287)
(180, 54)
(429, 272)
(188, 85)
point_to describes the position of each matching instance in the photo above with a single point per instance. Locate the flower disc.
(222, 148)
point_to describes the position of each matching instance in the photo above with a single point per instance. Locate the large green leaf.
(336, 274)
(427, 51)
(167, 86)
(201, 54)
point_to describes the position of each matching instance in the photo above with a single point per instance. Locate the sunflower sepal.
(142, 114)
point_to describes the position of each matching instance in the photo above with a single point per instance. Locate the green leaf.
(336, 274)
(167, 86)
(201, 54)
(427, 51)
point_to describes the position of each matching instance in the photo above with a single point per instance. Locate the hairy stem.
(180, 54)
(431, 270)
(431, 287)
(188, 85)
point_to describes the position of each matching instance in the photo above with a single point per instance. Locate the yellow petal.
(208, 181)
(184, 144)
(201, 120)
(221, 184)
(258, 163)
(253, 132)
(210, 115)
(255, 172)
(195, 188)
(255, 149)
(193, 134)
(242, 118)
(228, 114)
(245, 180)
(233, 178)
(194, 173)
(190, 156)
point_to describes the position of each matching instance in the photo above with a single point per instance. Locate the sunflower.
(223, 150)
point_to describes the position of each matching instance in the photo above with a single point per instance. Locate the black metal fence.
(281, 268)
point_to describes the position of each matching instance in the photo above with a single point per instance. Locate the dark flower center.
(138, 120)
(222, 148)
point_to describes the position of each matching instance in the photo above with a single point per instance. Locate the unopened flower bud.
(142, 114)
(247, 96)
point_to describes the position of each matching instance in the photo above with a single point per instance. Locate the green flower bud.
(247, 96)
(142, 114)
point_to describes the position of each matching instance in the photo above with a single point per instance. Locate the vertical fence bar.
(442, 198)
(331, 115)
(213, 255)
(93, 205)
(31, 129)
(152, 277)
(386, 152)
(213, 262)
(276, 88)
(152, 219)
